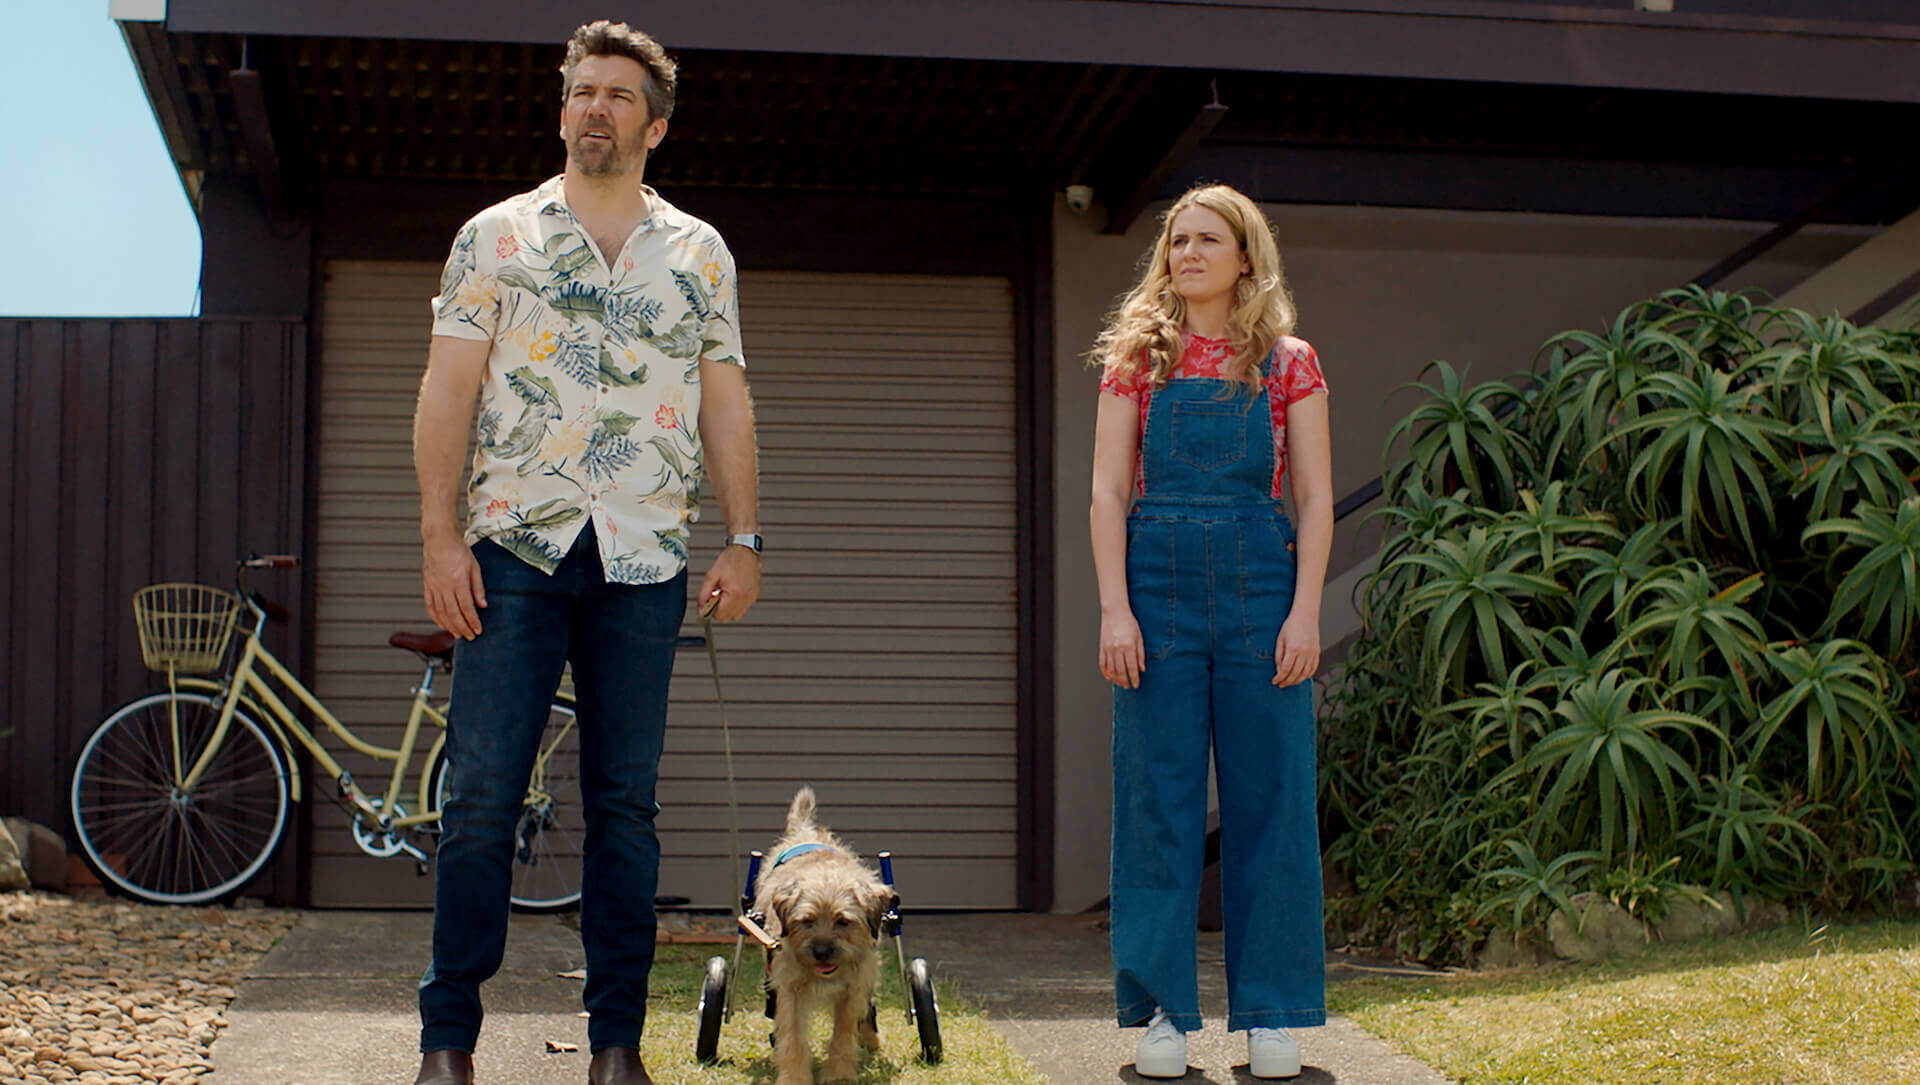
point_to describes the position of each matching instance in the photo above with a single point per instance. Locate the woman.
(1210, 628)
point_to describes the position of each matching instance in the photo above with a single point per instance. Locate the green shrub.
(1642, 618)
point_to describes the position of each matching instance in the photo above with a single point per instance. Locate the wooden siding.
(132, 451)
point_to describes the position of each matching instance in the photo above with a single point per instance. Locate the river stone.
(42, 851)
(13, 872)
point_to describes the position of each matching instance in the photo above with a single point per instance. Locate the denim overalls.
(1210, 572)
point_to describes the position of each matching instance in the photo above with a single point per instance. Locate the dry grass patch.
(1831, 1004)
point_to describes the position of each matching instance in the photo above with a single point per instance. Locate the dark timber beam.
(256, 135)
(1885, 303)
(1471, 181)
(1765, 243)
(1176, 155)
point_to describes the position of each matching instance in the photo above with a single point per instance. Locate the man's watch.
(750, 540)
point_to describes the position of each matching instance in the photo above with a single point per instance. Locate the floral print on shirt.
(1293, 374)
(593, 377)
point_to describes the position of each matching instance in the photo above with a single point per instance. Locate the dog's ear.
(781, 902)
(878, 899)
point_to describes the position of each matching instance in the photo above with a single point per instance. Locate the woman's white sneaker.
(1272, 1053)
(1163, 1049)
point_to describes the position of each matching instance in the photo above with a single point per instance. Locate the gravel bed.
(103, 991)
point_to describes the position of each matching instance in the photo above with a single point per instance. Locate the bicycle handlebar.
(271, 561)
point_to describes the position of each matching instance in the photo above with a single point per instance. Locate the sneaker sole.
(1271, 1072)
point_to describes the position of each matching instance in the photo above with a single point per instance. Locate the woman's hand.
(1123, 656)
(1296, 652)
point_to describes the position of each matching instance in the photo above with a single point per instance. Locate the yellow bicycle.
(181, 796)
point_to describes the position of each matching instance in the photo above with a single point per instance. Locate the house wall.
(906, 236)
(131, 452)
(1381, 292)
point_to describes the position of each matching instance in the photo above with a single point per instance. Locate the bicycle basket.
(184, 627)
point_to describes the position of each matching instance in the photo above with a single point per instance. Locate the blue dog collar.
(798, 849)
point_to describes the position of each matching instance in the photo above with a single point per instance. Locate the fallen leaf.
(560, 1047)
(576, 974)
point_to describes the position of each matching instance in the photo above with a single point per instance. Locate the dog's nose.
(822, 952)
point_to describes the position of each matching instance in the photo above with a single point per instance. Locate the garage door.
(880, 663)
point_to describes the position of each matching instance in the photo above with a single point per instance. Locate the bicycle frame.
(244, 682)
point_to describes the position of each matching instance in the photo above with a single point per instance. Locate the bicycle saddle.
(437, 644)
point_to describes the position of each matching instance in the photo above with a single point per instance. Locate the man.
(596, 324)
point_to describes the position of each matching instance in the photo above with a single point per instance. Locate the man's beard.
(595, 159)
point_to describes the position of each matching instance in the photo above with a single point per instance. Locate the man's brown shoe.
(617, 1066)
(445, 1068)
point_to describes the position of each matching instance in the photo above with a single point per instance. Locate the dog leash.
(726, 743)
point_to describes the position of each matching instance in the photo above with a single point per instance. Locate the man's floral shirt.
(592, 389)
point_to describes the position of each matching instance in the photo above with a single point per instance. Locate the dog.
(825, 907)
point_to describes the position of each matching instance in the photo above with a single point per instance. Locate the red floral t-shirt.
(1293, 376)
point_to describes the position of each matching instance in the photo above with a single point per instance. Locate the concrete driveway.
(333, 1004)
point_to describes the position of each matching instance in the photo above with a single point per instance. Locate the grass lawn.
(1833, 1004)
(975, 1053)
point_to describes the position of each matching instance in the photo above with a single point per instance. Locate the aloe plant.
(1458, 433)
(1469, 605)
(1607, 642)
(1718, 326)
(1836, 699)
(1586, 390)
(1529, 883)
(1881, 588)
(1709, 455)
(1826, 369)
(1507, 714)
(1756, 838)
(1873, 460)
(1696, 624)
(1609, 573)
(1610, 764)
(1553, 522)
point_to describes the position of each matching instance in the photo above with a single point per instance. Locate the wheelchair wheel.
(926, 1011)
(713, 1010)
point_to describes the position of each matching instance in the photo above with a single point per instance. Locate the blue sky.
(98, 224)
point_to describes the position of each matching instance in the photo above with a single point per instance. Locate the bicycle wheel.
(147, 838)
(552, 833)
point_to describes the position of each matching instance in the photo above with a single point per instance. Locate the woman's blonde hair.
(1146, 330)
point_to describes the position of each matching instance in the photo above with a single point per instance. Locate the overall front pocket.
(1209, 436)
(1150, 583)
(1268, 566)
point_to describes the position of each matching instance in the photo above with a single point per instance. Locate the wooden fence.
(132, 451)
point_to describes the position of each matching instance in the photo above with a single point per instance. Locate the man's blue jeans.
(620, 639)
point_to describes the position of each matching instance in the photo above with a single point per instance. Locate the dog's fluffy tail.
(800, 814)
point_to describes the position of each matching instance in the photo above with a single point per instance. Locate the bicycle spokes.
(163, 842)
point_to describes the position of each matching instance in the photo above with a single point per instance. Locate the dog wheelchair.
(716, 993)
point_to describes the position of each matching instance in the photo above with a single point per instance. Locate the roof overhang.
(1517, 41)
(1454, 103)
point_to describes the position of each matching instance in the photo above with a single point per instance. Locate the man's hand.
(454, 592)
(449, 575)
(731, 585)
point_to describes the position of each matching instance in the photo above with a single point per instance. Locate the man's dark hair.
(603, 39)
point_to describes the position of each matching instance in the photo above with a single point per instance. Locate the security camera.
(1079, 198)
